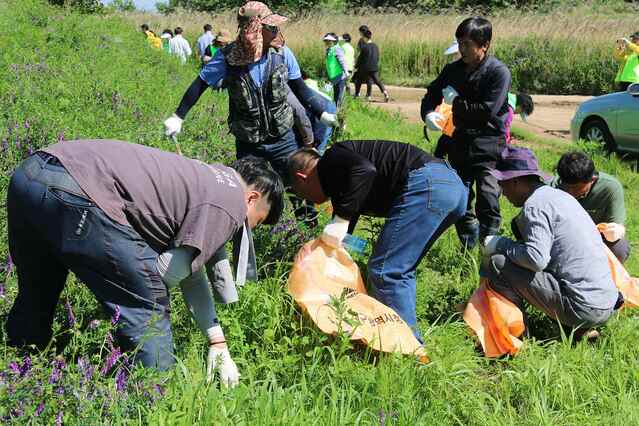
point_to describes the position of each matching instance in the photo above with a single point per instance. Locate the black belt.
(48, 170)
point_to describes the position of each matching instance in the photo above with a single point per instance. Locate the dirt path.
(552, 113)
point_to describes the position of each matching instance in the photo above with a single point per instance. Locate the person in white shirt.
(180, 46)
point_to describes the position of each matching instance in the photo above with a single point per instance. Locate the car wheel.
(596, 130)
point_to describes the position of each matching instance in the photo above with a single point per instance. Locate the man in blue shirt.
(204, 41)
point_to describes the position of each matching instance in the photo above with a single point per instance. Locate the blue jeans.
(321, 132)
(275, 151)
(339, 88)
(434, 199)
(55, 228)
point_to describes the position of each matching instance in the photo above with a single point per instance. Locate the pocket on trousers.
(77, 214)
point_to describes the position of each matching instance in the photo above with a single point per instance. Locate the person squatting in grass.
(421, 196)
(130, 222)
(558, 263)
(258, 70)
(477, 88)
(336, 69)
(600, 194)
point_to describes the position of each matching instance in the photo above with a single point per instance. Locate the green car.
(611, 120)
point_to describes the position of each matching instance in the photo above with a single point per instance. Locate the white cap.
(452, 49)
(329, 37)
(165, 35)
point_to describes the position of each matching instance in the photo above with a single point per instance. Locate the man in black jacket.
(477, 88)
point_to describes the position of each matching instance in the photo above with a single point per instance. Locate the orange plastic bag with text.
(321, 276)
(448, 128)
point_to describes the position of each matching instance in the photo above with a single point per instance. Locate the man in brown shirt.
(129, 221)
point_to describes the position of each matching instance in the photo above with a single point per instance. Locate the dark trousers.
(620, 248)
(369, 78)
(53, 229)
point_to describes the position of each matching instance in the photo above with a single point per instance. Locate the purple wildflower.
(60, 136)
(9, 264)
(26, 366)
(14, 367)
(159, 389)
(116, 316)
(58, 419)
(5, 145)
(56, 373)
(111, 360)
(86, 370)
(1, 290)
(30, 146)
(26, 124)
(39, 409)
(70, 314)
(121, 376)
(94, 324)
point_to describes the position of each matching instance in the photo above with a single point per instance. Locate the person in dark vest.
(258, 70)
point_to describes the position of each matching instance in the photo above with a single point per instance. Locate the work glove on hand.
(173, 125)
(449, 94)
(613, 232)
(433, 119)
(329, 119)
(490, 243)
(220, 358)
(335, 232)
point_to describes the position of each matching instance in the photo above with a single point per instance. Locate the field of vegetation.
(566, 52)
(71, 76)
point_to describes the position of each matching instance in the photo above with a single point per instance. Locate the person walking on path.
(336, 69)
(558, 263)
(258, 70)
(204, 41)
(349, 58)
(151, 38)
(179, 46)
(130, 222)
(419, 195)
(600, 194)
(367, 66)
(627, 54)
(477, 89)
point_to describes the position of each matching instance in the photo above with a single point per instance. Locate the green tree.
(123, 5)
(85, 6)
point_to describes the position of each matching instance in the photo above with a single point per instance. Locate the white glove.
(614, 232)
(329, 119)
(449, 94)
(433, 119)
(173, 125)
(220, 358)
(490, 245)
(335, 232)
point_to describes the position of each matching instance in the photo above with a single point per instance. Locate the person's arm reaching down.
(533, 252)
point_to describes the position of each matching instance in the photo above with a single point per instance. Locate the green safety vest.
(629, 70)
(333, 68)
(512, 100)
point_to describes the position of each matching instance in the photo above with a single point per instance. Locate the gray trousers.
(543, 291)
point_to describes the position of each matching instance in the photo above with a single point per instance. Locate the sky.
(142, 4)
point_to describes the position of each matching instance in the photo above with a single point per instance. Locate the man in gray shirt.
(558, 264)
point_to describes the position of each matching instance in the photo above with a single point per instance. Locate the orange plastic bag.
(447, 124)
(495, 320)
(498, 323)
(322, 274)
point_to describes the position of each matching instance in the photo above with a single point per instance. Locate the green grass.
(92, 77)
